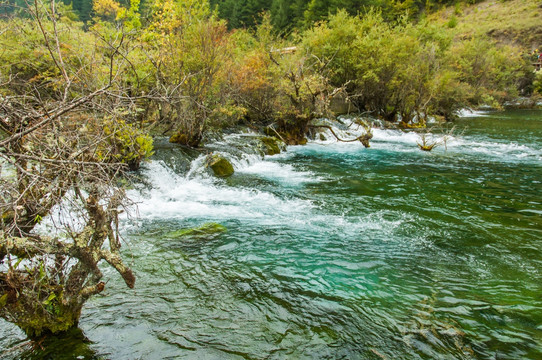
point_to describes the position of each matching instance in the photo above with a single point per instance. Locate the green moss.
(35, 325)
(8, 215)
(270, 145)
(178, 138)
(220, 166)
(48, 317)
(3, 300)
(206, 230)
(125, 143)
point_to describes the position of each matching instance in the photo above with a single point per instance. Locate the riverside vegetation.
(80, 102)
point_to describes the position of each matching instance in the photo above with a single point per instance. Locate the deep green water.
(333, 251)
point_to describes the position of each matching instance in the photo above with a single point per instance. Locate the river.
(332, 251)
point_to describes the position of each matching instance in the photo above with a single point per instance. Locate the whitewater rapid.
(196, 195)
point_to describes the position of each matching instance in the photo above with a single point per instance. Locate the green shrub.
(124, 143)
(452, 23)
(537, 83)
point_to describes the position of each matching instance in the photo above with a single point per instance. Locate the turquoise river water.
(332, 251)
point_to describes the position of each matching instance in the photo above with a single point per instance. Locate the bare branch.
(59, 63)
(50, 117)
(364, 139)
(115, 260)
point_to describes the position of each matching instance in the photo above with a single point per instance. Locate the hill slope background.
(515, 22)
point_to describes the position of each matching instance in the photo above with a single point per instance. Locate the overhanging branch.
(364, 139)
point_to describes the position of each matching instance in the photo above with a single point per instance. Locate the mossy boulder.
(190, 140)
(302, 141)
(178, 138)
(220, 166)
(288, 137)
(207, 230)
(271, 145)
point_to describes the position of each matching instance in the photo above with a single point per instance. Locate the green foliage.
(537, 83)
(287, 15)
(386, 69)
(203, 77)
(124, 143)
(277, 84)
(241, 13)
(130, 16)
(487, 69)
(452, 23)
(189, 50)
(25, 56)
(409, 71)
(82, 7)
(317, 10)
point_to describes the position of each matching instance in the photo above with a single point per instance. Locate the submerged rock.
(220, 166)
(207, 230)
(178, 158)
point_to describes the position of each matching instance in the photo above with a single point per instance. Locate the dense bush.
(537, 84)
(407, 71)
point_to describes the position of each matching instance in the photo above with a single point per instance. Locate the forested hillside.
(285, 14)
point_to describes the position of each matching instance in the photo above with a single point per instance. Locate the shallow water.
(333, 251)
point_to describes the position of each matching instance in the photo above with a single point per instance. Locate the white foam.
(533, 211)
(501, 151)
(286, 174)
(472, 113)
(401, 141)
(395, 140)
(175, 196)
(245, 161)
(396, 136)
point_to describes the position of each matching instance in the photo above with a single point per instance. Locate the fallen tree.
(363, 138)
